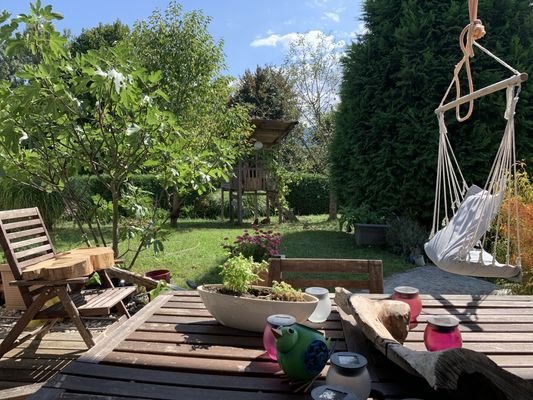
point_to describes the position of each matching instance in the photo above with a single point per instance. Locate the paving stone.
(432, 280)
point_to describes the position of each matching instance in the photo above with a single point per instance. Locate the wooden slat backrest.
(347, 268)
(24, 239)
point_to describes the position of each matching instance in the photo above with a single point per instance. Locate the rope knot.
(478, 30)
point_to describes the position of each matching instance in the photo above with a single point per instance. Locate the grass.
(193, 250)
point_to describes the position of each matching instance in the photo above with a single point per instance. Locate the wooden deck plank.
(483, 327)
(272, 384)
(218, 331)
(499, 337)
(229, 352)
(258, 367)
(110, 387)
(519, 349)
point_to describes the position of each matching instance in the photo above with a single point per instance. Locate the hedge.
(309, 194)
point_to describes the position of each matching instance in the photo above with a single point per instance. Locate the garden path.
(432, 280)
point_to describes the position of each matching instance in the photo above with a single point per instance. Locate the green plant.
(284, 291)
(308, 194)
(94, 280)
(360, 215)
(162, 286)
(260, 245)
(239, 273)
(405, 236)
(17, 195)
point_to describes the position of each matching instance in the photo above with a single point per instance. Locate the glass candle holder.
(442, 332)
(348, 370)
(409, 295)
(323, 308)
(275, 321)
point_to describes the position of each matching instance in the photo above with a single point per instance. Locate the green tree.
(190, 60)
(384, 151)
(48, 134)
(267, 93)
(312, 66)
(103, 35)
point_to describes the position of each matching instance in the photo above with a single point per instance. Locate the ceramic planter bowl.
(250, 314)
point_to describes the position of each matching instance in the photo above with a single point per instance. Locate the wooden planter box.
(371, 234)
(11, 293)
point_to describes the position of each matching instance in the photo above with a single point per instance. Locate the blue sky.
(254, 32)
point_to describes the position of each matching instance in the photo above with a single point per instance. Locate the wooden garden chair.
(347, 273)
(42, 275)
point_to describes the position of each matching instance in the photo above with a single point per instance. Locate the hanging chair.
(468, 212)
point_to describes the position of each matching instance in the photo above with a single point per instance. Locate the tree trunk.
(332, 206)
(174, 208)
(114, 196)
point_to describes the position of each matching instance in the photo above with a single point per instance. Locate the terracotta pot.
(159, 274)
(250, 314)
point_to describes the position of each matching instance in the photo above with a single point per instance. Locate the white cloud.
(332, 16)
(311, 37)
(274, 39)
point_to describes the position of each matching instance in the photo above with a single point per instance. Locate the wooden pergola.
(251, 176)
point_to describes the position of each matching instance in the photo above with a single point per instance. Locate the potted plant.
(238, 303)
(369, 226)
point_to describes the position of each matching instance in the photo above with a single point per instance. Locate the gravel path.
(432, 280)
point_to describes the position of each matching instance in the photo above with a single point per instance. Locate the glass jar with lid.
(348, 370)
(275, 321)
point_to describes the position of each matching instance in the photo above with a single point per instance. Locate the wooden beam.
(482, 92)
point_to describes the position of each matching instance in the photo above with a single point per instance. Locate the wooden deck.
(33, 362)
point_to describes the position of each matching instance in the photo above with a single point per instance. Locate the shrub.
(405, 236)
(17, 195)
(260, 245)
(309, 194)
(360, 215)
(209, 206)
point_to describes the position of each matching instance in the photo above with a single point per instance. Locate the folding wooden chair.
(328, 272)
(28, 250)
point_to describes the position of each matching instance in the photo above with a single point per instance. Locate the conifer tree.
(384, 152)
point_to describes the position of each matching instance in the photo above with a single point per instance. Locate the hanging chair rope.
(457, 239)
(470, 33)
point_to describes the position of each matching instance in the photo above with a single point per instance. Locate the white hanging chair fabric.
(457, 246)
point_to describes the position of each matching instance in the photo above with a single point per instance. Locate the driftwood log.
(461, 373)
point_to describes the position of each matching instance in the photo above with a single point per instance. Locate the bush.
(524, 202)
(260, 245)
(15, 195)
(87, 186)
(360, 215)
(406, 237)
(209, 205)
(309, 194)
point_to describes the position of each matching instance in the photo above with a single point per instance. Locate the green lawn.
(193, 250)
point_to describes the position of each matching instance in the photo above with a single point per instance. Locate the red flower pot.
(159, 274)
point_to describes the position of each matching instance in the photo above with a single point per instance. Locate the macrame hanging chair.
(465, 213)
